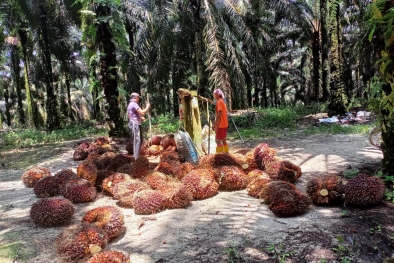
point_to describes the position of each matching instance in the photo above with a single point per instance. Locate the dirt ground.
(229, 227)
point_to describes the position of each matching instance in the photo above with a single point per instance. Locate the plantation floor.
(230, 227)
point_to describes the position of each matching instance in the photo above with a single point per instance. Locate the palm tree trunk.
(52, 120)
(108, 73)
(15, 59)
(31, 121)
(316, 64)
(325, 48)
(7, 104)
(336, 105)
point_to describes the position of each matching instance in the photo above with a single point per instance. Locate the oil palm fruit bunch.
(364, 191)
(256, 184)
(263, 154)
(109, 257)
(79, 191)
(201, 183)
(287, 203)
(119, 160)
(176, 195)
(167, 140)
(170, 167)
(223, 159)
(87, 170)
(158, 179)
(47, 187)
(232, 178)
(325, 190)
(109, 182)
(255, 174)
(30, 177)
(52, 211)
(140, 167)
(109, 218)
(267, 190)
(147, 202)
(124, 191)
(283, 170)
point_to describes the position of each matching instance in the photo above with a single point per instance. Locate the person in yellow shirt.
(221, 124)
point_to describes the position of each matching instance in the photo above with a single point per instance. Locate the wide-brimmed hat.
(135, 95)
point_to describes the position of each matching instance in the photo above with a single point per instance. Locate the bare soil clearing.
(229, 226)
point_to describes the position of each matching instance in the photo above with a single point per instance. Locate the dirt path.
(230, 227)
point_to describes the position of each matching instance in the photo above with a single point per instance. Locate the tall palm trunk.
(108, 73)
(15, 60)
(325, 48)
(53, 119)
(316, 63)
(31, 120)
(336, 105)
(7, 102)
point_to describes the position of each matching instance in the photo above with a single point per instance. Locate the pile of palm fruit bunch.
(99, 146)
(154, 146)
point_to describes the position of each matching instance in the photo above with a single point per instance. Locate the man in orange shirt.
(220, 126)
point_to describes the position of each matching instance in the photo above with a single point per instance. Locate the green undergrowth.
(162, 124)
(24, 138)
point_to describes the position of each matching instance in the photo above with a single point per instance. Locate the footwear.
(219, 149)
(225, 148)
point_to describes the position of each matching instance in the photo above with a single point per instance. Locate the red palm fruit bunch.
(148, 202)
(87, 170)
(124, 191)
(101, 175)
(101, 149)
(81, 152)
(184, 170)
(140, 167)
(47, 187)
(109, 218)
(31, 176)
(206, 161)
(287, 203)
(364, 191)
(109, 182)
(241, 160)
(104, 160)
(94, 157)
(155, 150)
(283, 170)
(223, 159)
(64, 176)
(256, 174)
(170, 167)
(168, 155)
(167, 140)
(158, 180)
(119, 160)
(155, 140)
(79, 191)
(254, 187)
(263, 154)
(53, 211)
(176, 194)
(109, 257)
(79, 242)
(249, 160)
(232, 178)
(325, 190)
(201, 183)
(267, 190)
(102, 140)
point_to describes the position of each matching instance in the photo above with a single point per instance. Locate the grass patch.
(161, 125)
(17, 139)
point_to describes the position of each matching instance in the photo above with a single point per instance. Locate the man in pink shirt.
(136, 114)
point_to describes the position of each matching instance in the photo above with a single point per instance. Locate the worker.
(220, 125)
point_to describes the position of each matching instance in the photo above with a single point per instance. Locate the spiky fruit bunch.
(232, 178)
(101, 175)
(283, 170)
(126, 168)
(206, 161)
(223, 159)
(78, 242)
(119, 160)
(53, 211)
(267, 190)
(325, 190)
(108, 218)
(177, 195)
(256, 174)
(168, 155)
(158, 180)
(109, 257)
(87, 170)
(184, 170)
(255, 186)
(31, 176)
(167, 140)
(83, 150)
(148, 202)
(128, 188)
(102, 140)
(242, 161)
(47, 187)
(65, 175)
(364, 191)
(155, 140)
(287, 203)
(79, 191)
(201, 183)
(101, 149)
(169, 168)
(263, 154)
(249, 160)
(155, 150)
(104, 160)
(111, 181)
(140, 167)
